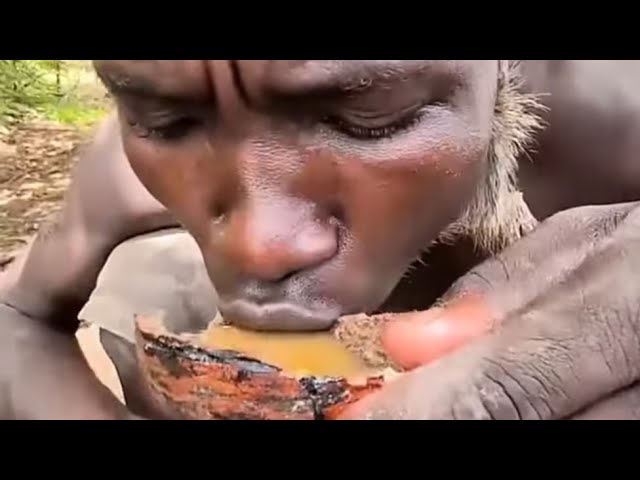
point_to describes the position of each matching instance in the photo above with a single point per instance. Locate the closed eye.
(374, 125)
(169, 130)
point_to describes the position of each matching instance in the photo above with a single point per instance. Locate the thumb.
(417, 338)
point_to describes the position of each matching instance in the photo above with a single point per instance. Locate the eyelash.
(173, 130)
(361, 132)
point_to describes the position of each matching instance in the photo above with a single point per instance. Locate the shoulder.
(587, 152)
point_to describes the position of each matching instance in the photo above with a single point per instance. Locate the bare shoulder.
(588, 152)
(606, 86)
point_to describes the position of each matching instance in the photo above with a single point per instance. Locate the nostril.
(258, 245)
(218, 212)
(320, 243)
(288, 276)
(219, 217)
(337, 212)
(282, 261)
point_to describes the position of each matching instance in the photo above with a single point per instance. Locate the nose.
(273, 242)
(275, 259)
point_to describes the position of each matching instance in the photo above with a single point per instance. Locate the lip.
(277, 316)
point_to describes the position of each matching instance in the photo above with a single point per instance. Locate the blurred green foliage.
(59, 90)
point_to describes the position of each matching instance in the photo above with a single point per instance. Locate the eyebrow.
(123, 84)
(323, 79)
(120, 82)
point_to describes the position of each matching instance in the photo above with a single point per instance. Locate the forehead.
(279, 75)
(303, 69)
(277, 68)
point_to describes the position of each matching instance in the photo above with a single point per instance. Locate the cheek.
(180, 178)
(399, 205)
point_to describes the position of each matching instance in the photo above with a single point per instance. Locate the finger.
(524, 270)
(572, 346)
(489, 293)
(622, 405)
(575, 344)
(442, 391)
(418, 338)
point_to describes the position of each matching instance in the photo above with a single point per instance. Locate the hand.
(548, 329)
(43, 375)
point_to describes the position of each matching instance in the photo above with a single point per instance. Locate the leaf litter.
(35, 163)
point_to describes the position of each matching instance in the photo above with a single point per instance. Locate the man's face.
(310, 186)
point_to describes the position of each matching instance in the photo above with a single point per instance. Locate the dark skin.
(302, 183)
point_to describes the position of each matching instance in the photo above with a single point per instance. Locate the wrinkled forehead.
(277, 69)
(277, 75)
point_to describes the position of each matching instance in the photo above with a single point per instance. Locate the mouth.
(277, 316)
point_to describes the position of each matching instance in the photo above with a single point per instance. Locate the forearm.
(54, 276)
(105, 205)
(44, 375)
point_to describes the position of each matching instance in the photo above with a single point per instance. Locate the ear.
(499, 216)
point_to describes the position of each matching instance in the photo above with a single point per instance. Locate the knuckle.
(473, 282)
(585, 225)
(565, 225)
(534, 370)
(609, 319)
(595, 218)
(470, 407)
(493, 393)
(491, 388)
(485, 277)
(618, 340)
(509, 393)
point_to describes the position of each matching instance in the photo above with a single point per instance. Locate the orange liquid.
(299, 354)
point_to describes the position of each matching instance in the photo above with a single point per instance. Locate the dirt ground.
(35, 161)
(36, 156)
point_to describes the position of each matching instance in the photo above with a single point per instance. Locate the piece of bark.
(190, 381)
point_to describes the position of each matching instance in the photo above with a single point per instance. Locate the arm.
(105, 205)
(42, 292)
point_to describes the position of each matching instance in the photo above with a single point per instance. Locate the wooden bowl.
(188, 379)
